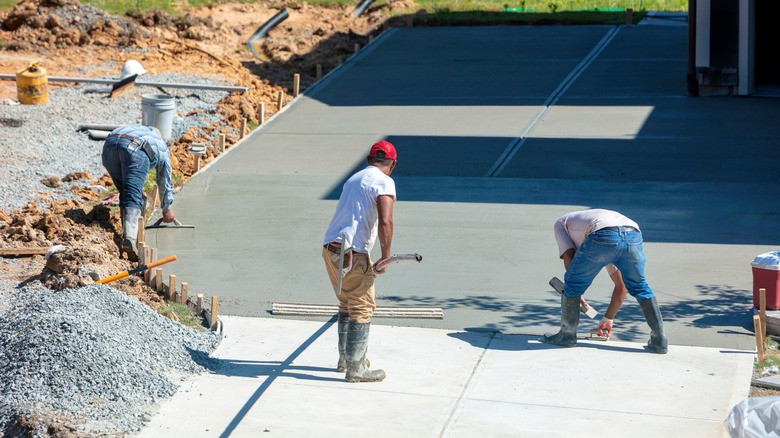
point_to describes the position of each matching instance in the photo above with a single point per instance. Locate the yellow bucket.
(32, 86)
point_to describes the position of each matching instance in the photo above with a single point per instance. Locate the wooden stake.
(140, 236)
(199, 305)
(184, 287)
(141, 253)
(196, 164)
(759, 339)
(147, 260)
(158, 279)
(243, 128)
(629, 16)
(319, 71)
(172, 288)
(214, 309)
(762, 314)
(152, 258)
(357, 47)
(261, 113)
(280, 101)
(222, 138)
(296, 84)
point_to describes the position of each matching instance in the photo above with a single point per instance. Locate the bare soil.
(69, 39)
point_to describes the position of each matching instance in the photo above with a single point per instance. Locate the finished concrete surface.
(278, 377)
(500, 131)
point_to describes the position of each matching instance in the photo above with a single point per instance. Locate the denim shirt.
(162, 159)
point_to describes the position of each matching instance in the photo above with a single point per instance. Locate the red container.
(766, 275)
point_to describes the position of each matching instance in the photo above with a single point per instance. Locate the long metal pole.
(148, 84)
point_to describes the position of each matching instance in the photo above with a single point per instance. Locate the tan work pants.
(357, 287)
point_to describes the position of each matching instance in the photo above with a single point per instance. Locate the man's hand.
(168, 216)
(605, 328)
(379, 272)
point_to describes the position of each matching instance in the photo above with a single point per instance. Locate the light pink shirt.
(572, 229)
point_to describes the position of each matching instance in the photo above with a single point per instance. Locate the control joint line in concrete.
(552, 99)
(272, 376)
(466, 386)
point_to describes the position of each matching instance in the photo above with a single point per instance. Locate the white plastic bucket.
(158, 111)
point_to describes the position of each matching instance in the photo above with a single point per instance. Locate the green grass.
(178, 8)
(186, 315)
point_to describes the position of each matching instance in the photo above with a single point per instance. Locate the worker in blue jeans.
(588, 241)
(128, 154)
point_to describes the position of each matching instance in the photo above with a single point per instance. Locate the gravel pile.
(92, 355)
(39, 141)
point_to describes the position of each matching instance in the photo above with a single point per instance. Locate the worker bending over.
(128, 154)
(588, 241)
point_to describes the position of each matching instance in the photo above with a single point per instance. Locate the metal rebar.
(140, 83)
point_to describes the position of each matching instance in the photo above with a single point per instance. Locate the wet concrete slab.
(696, 174)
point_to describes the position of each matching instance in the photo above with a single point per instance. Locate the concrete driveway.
(500, 131)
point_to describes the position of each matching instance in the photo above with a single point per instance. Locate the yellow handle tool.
(136, 270)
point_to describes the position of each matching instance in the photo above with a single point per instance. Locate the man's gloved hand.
(605, 328)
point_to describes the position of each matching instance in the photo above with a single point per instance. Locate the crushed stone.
(91, 358)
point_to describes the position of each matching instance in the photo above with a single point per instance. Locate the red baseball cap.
(383, 149)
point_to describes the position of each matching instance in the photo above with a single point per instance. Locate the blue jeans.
(622, 248)
(128, 166)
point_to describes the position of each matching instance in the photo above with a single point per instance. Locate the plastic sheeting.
(756, 417)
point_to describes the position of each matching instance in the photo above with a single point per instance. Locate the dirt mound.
(49, 24)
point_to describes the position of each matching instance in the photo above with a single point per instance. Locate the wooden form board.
(15, 252)
(381, 311)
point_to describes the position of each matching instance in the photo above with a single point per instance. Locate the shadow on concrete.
(719, 307)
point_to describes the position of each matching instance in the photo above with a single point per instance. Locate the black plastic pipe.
(360, 8)
(262, 30)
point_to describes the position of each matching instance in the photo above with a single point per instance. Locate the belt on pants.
(627, 228)
(335, 249)
(144, 145)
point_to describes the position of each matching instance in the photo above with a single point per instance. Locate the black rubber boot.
(570, 319)
(657, 342)
(342, 330)
(357, 346)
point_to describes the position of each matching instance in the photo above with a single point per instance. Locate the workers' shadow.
(480, 338)
(255, 369)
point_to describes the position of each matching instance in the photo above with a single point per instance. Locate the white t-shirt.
(572, 229)
(356, 213)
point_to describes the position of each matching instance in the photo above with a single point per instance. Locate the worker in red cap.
(364, 212)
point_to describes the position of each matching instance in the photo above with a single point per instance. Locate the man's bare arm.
(384, 206)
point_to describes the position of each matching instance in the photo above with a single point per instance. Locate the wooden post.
(280, 100)
(140, 235)
(629, 16)
(214, 309)
(357, 47)
(762, 315)
(199, 305)
(152, 203)
(152, 258)
(759, 338)
(243, 128)
(222, 142)
(141, 253)
(261, 113)
(318, 71)
(172, 288)
(184, 287)
(147, 260)
(196, 164)
(296, 84)
(158, 279)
